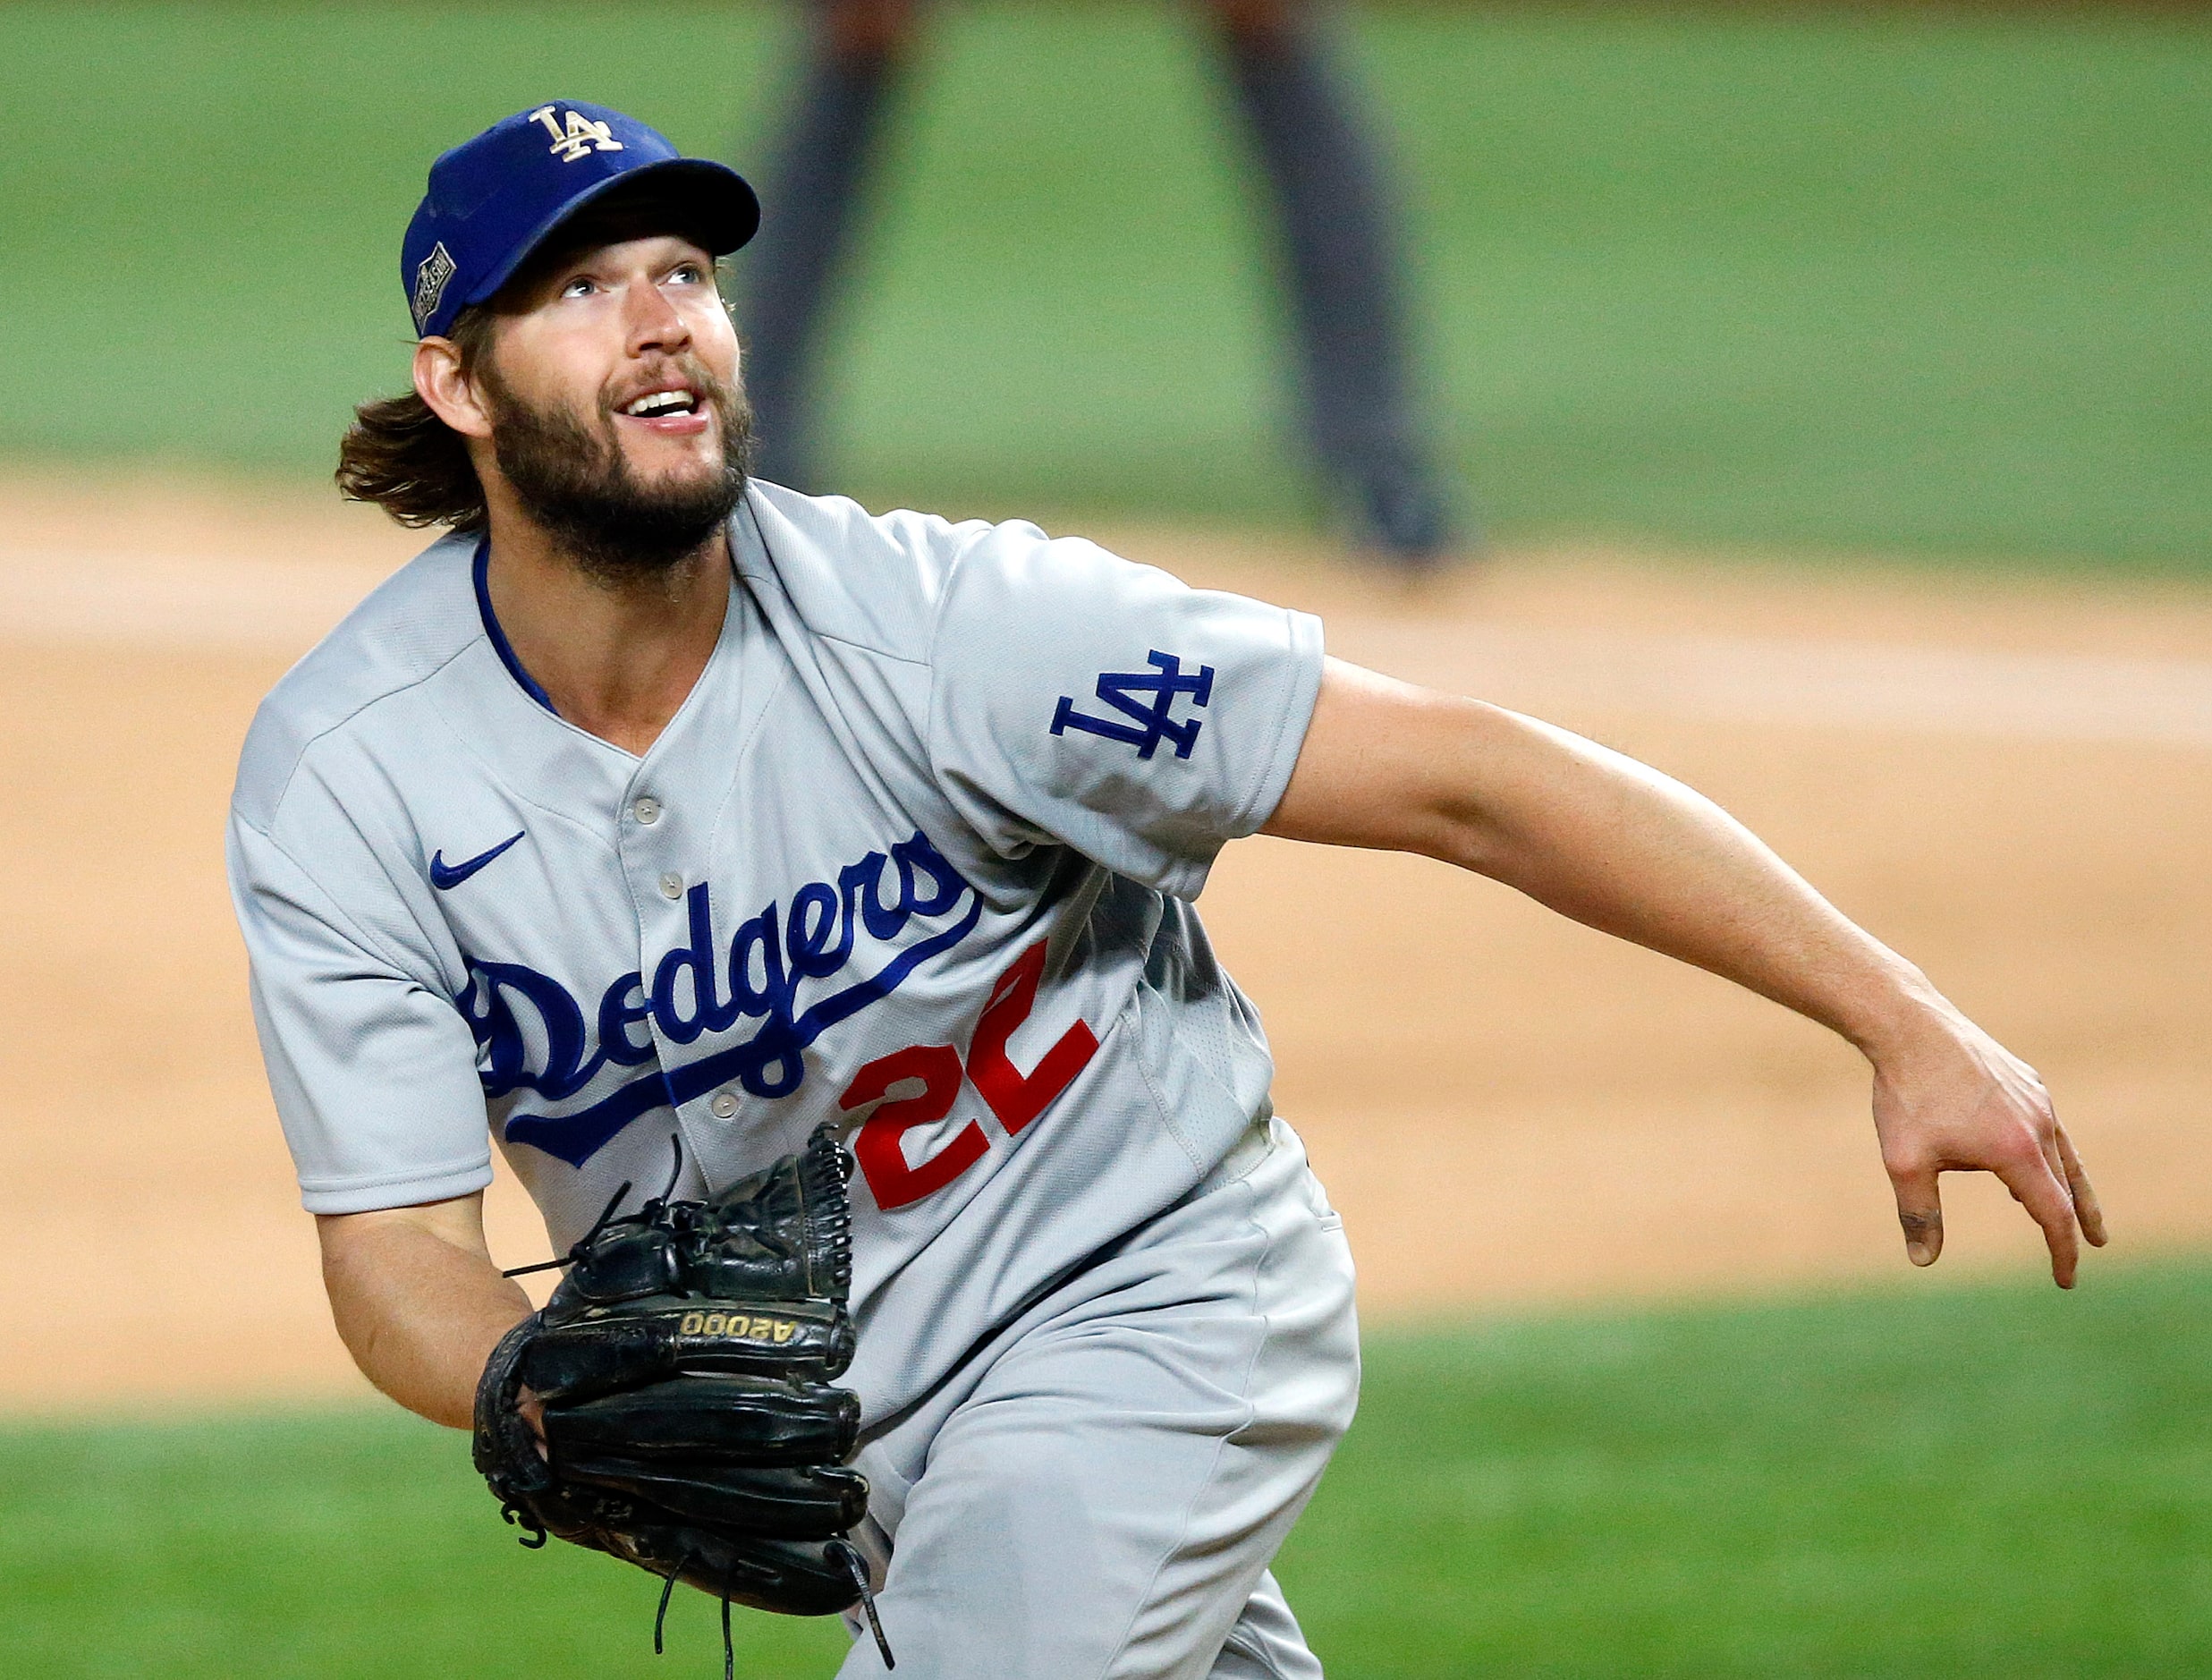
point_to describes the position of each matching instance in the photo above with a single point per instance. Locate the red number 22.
(1014, 1096)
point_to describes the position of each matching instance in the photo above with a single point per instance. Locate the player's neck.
(616, 659)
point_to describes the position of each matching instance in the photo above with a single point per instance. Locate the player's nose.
(654, 323)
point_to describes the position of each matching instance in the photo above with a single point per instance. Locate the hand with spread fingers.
(1950, 1099)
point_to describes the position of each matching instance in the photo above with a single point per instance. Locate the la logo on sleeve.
(1150, 720)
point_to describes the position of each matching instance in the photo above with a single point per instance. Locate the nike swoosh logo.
(444, 876)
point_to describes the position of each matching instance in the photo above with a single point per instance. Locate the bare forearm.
(420, 1308)
(1601, 838)
(1615, 843)
(1631, 851)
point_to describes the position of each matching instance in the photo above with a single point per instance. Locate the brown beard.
(574, 482)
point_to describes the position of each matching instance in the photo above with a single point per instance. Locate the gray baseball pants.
(1100, 1490)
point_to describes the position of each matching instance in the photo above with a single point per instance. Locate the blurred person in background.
(1339, 249)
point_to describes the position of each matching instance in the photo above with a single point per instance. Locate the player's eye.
(687, 273)
(583, 285)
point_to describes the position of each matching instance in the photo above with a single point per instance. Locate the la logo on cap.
(581, 136)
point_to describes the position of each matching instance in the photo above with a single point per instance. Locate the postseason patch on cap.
(431, 274)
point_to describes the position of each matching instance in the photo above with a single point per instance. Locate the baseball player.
(1338, 248)
(658, 814)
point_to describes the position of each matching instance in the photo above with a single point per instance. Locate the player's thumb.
(1920, 1210)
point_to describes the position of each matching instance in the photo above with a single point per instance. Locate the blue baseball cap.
(492, 200)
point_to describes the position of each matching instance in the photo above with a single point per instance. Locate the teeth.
(660, 403)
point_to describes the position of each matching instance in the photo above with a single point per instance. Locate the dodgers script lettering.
(532, 1034)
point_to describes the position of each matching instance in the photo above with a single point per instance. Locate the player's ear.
(446, 388)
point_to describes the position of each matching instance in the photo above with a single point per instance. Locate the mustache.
(575, 481)
(685, 368)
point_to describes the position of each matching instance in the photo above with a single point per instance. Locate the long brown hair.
(400, 455)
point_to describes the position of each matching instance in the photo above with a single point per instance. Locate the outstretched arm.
(1617, 845)
(418, 1301)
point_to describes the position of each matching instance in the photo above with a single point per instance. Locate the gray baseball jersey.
(915, 856)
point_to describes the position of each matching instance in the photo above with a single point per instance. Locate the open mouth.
(667, 405)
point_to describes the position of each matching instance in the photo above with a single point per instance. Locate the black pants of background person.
(1338, 247)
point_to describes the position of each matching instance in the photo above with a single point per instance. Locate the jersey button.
(645, 810)
(723, 1107)
(671, 886)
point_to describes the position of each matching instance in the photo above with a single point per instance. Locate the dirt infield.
(2011, 781)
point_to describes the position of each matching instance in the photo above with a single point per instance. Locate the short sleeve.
(1076, 697)
(373, 1071)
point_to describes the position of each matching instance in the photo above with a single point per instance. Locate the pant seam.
(1221, 1444)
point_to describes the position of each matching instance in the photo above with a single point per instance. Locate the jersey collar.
(479, 569)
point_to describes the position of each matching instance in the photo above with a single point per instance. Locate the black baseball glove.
(684, 1366)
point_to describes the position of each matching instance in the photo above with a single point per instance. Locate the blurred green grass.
(1991, 1480)
(1919, 282)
